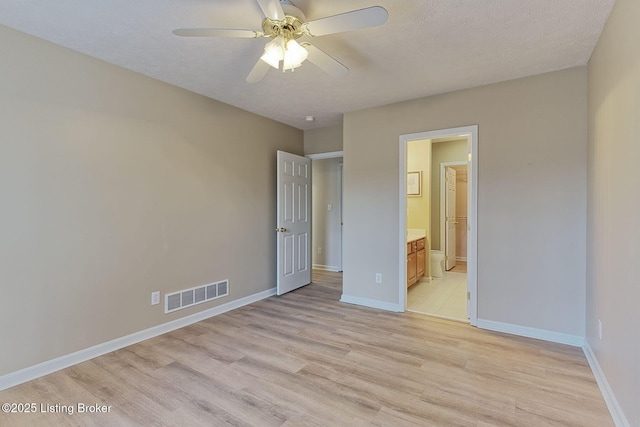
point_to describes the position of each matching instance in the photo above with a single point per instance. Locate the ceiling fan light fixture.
(285, 23)
(274, 52)
(294, 55)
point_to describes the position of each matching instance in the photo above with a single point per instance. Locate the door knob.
(281, 230)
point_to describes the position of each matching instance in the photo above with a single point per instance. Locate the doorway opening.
(445, 164)
(326, 189)
(443, 293)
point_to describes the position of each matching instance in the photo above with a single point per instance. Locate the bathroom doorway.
(445, 289)
(444, 293)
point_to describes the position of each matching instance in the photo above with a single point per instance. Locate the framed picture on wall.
(414, 179)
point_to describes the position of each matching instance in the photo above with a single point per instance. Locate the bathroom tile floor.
(444, 297)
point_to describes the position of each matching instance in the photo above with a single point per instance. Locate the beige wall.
(115, 185)
(323, 140)
(613, 231)
(443, 152)
(326, 183)
(531, 200)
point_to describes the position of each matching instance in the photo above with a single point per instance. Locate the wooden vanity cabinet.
(420, 259)
(415, 261)
(412, 264)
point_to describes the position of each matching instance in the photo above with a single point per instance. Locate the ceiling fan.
(284, 23)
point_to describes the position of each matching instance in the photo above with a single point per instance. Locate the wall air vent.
(190, 297)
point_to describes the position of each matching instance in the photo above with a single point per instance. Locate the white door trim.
(472, 236)
(329, 155)
(340, 189)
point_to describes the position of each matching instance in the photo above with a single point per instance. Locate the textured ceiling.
(426, 47)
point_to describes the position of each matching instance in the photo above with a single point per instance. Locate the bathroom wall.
(442, 152)
(418, 207)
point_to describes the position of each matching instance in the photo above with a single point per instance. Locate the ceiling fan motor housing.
(291, 27)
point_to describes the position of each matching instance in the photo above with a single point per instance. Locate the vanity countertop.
(414, 234)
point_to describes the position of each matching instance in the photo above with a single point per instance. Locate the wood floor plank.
(305, 359)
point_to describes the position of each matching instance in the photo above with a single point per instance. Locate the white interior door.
(450, 215)
(294, 222)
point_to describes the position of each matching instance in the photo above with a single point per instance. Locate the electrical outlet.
(329, 207)
(378, 277)
(599, 329)
(319, 251)
(155, 298)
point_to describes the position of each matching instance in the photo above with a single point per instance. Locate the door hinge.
(468, 296)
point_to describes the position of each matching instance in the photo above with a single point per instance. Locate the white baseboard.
(325, 267)
(461, 258)
(610, 399)
(578, 341)
(53, 365)
(525, 331)
(370, 303)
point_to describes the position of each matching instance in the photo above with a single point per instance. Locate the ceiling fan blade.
(271, 9)
(348, 21)
(258, 72)
(216, 32)
(325, 62)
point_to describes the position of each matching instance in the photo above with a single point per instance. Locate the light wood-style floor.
(305, 359)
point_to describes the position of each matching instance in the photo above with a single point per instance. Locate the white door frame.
(472, 236)
(341, 167)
